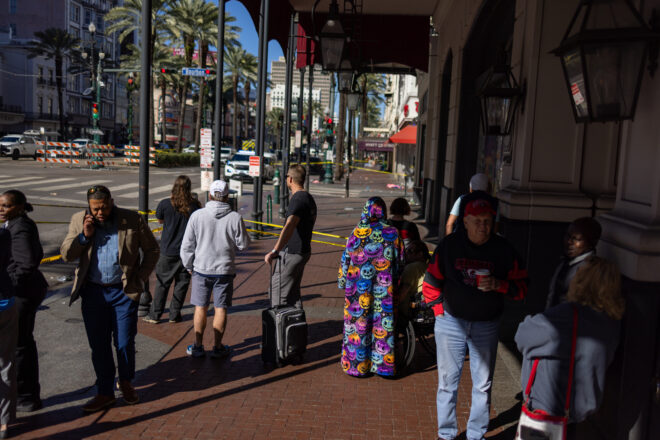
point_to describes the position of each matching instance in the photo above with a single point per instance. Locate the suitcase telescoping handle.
(270, 278)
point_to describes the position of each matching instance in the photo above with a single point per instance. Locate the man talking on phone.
(116, 252)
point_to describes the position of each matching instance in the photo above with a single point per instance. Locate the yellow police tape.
(273, 233)
(281, 226)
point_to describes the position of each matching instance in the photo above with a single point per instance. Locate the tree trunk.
(202, 92)
(60, 104)
(163, 109)
(234, 113)
(247, 109)
(339, 157)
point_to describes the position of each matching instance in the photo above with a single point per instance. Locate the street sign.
(206, 137)
(254, 166)
(194, 71)
(298, 139)
(206, 179)
(206, 158)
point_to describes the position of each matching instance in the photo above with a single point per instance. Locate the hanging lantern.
(345, 77)
(332, 39)
(603, 54)
(499, 98)
(353, 100)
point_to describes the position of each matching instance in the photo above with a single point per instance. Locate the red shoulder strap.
(571, 367)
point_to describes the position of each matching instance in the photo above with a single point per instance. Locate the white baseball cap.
(479, 182)
(219, 188)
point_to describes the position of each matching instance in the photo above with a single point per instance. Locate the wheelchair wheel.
(404, 346)
(427, 341)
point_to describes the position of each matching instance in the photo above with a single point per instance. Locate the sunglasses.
(98, 189)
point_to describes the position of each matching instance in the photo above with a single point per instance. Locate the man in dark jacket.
(468, 277)
(107, 241)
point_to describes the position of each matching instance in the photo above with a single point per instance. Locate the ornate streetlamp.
(96, 81)
(499, 97)
(332, 39)
(603, 53)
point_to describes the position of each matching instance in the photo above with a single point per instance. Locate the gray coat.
(547, 336)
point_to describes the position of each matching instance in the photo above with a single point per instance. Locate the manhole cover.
(73, 320)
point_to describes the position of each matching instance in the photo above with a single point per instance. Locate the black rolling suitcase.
(284, 332)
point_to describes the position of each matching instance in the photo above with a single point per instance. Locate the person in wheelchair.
(417, 260)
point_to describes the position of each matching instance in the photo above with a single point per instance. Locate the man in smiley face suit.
(467, 314)
(116, 251)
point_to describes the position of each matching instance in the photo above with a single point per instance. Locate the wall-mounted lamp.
(499, 97)
(603, 54)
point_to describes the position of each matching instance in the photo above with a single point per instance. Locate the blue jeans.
(110, 315)
(452, 336)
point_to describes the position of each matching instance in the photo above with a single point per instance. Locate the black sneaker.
(29, 406)
(176, 318)
(221, 352)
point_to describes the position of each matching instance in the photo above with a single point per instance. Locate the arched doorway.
(491, 33)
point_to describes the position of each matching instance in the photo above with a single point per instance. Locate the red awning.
(407, 135)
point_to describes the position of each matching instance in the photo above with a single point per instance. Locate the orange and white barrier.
(129, 160)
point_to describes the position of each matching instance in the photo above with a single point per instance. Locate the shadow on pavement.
(184, 374)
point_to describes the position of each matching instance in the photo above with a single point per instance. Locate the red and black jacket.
(450, 277)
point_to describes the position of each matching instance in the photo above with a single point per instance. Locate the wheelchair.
(417, 325)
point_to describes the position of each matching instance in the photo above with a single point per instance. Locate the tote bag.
(537, 424)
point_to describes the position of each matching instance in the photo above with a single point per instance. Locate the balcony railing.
(11, 108)
(42, 116)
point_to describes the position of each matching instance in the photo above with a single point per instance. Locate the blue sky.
(249, 36)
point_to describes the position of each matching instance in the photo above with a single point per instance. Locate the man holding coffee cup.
(467, 279)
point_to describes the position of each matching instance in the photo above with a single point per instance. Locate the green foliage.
(171, 160)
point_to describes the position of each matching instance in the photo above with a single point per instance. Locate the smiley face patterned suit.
(369, 266)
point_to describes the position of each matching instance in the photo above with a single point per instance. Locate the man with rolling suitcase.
(284, 325)
(294, 244)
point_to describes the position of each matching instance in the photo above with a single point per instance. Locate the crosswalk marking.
(44, 182)
(78, 184)
(155, 190)
(14, 180)
(114, 189)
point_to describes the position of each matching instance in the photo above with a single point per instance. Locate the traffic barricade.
(133, 155)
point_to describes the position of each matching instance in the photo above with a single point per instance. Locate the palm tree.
(275, 122)
(250, 65)
(372, 86)
(234, 67)
(126, 19)
(55, 44)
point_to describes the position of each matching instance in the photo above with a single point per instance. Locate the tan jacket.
(133, 235)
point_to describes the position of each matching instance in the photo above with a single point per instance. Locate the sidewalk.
(238, 398)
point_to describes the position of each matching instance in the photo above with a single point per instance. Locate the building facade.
(549, 171)
(30, 83)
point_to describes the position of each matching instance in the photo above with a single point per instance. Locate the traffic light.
(209, 72)
(95, 110)
(329, 130)
(129, 81)
(167, 70)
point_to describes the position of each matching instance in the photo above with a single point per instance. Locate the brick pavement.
(238, 398)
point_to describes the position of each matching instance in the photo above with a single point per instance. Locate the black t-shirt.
(173, 227)
(303, 206)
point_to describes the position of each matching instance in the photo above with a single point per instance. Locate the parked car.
(238, 166)
(19, 145)
(81, 145)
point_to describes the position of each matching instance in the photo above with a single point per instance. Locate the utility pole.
(257, 211)
(288, 91)
(310, 101)
(218, 172)
(145, 106)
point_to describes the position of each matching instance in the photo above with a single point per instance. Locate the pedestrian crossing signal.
(95, 110)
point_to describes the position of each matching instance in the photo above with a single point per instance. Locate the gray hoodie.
(212, 236)
(547, 336)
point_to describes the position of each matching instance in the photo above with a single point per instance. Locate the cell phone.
(94, 220)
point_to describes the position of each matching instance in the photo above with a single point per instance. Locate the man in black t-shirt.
(294, 244)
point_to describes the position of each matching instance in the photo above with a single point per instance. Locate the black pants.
(169, 269)
(27, 359)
